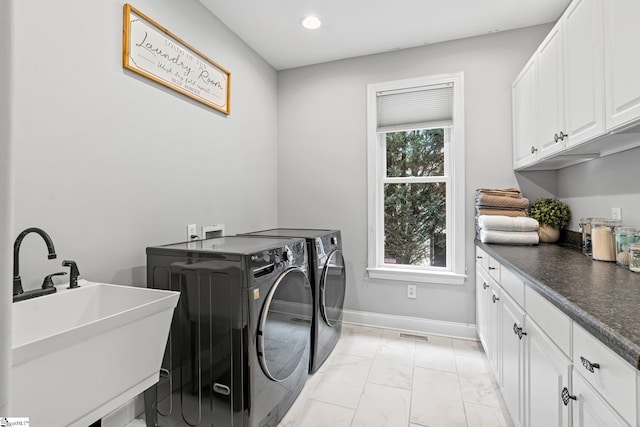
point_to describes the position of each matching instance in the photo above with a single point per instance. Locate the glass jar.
(585, 227)
(624, 237)
(634, 257)
(603, 239)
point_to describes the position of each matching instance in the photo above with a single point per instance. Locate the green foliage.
(551, 212)
(415, 213)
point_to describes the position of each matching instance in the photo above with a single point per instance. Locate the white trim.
(455, 152)
(411, 324)
(417, 275)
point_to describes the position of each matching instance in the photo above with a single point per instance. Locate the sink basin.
(79, 354)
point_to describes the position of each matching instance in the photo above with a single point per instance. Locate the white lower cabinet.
(495, 314)
(483, 299)
(589, 409)
(547, 373)
(608, 373)
(512, 356)
(552, 372)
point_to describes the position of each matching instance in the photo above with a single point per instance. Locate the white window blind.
(414, 107)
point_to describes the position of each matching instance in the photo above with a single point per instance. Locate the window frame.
(455, 271)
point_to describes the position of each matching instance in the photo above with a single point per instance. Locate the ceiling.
(353, 28)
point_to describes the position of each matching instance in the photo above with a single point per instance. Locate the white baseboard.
(411, 324)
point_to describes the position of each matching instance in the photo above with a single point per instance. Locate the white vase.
(548, 234)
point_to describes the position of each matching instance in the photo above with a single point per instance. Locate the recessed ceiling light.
(311, 22)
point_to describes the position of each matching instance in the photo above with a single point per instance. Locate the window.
(415, 140)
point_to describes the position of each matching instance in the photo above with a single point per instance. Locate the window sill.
(407, 275)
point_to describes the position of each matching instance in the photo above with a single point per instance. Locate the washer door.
(332, 288)
(284, 331)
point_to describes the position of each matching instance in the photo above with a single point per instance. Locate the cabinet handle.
(566, 397)
(588, 365)
(479, 256)
(484, 285)
(562, 136)
(492, 268)
(533, 149)
(495, 298)
(518, 331)
(556, 138)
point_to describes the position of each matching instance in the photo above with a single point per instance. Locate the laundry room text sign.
(152, 51)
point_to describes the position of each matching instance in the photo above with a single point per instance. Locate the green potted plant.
(552, 214)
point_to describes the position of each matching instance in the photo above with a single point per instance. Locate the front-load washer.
(239, 345)
(328, 277)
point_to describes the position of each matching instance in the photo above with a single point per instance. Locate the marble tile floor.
(374, 378)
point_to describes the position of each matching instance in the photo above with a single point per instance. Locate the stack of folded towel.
(507, 202)
(508, 230)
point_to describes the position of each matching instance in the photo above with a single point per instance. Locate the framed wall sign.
(152, 51)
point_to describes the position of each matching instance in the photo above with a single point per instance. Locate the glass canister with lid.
(634, 257)
(603, 238)
(625, 236)
(585, 227)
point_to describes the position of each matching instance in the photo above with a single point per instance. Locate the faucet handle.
(73, 279)
(48, 281)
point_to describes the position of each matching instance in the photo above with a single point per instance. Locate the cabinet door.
(512, 356)
(547, 373)
(584, 70)
(589, 409)
(495, 315)
(550, 110)
(483, 299)
(622, 64)
(524, 116)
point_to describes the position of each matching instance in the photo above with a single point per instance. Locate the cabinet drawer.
(513, 285)
(553, 322)
(613, 378)
(494, 269)
(482, 259)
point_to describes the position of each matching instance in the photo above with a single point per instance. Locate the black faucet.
(17, 281)
(74, 273)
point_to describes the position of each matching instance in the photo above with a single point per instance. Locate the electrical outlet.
(616, 213)
(411, 291)
(191, 232)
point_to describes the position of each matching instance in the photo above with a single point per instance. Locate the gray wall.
(6, 206)
(591, 189)
(109, 162)
(322, 153)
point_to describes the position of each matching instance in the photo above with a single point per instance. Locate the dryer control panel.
(291, 255)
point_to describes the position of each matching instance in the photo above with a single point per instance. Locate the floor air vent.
(414, 337)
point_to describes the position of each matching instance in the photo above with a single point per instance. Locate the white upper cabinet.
(550, 112)
(584, 71)
(587, 88)
(524, 116)
(622, 72)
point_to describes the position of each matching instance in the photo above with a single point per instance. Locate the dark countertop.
(602, 297)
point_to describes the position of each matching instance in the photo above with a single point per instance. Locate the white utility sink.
(79, 354)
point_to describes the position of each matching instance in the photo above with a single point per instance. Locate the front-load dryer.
(328, 277)
(239, 345)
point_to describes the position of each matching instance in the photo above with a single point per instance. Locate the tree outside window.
(415, 212)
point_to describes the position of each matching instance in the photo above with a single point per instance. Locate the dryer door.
(284, 331)
(332, 288)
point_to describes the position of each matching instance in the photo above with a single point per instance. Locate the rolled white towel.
(509, 237)
(507, 223)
